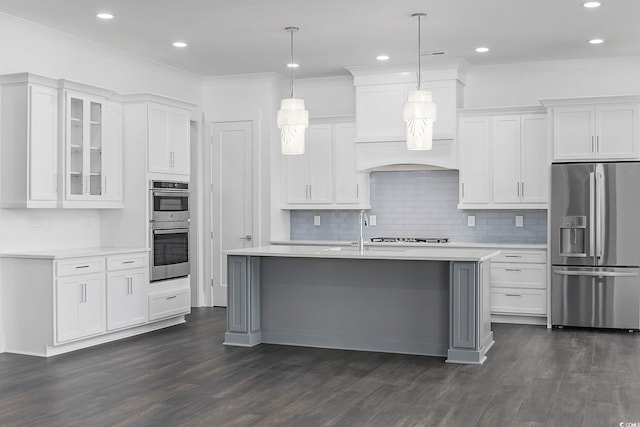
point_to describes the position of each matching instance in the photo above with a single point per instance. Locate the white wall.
(526, 83)
(330, 96)
(25, 46)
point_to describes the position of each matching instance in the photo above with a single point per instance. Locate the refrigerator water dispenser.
(572, 236)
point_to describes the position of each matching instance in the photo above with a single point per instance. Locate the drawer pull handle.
(513, 256)
(513, 295)
(128, 262)
(513, 269)
(175, 296)
(83, 266)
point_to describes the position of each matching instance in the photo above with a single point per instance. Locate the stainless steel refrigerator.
(595, 244)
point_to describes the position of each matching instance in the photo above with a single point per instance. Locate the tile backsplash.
(421, 204)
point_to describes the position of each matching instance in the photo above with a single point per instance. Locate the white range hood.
(381, 93)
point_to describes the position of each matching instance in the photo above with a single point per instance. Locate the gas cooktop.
(410, 239)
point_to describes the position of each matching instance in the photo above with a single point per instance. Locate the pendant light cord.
(419, 65)
(291, 65)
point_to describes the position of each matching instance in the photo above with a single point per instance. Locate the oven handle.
(177, 193)
(169, 230)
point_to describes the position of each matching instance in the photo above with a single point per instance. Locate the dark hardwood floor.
(184, 376)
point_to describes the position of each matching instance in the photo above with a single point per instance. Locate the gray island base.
(425, 301)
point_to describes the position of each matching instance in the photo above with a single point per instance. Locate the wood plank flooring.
(184, 376)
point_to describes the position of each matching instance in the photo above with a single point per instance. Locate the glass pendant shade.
(419, 114)
(293, 119)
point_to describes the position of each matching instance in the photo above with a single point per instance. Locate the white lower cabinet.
(84, 300)
(169, 298)
(126, 298)
(519, 286)
(79, 310)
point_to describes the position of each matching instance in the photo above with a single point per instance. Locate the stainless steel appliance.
(410, 239)
(169, 250)
(169, 201)
(169, 230)
(595, 245)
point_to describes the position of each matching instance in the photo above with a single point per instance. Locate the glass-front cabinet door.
(84, 135)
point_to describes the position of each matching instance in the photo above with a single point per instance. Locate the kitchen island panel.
(376, 305)
(391, 301)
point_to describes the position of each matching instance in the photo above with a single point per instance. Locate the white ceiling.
(248, 36)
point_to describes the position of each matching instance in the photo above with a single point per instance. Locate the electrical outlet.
(372, 220)
(519, 221)
(471, 221)
(316, 220)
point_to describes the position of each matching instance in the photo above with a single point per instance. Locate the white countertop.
(73, 253)
(371, 252)
(523, 246)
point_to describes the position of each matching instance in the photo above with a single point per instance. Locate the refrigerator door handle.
(596, 273)
(592, 213)
(600, 212)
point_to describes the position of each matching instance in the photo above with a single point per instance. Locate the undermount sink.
(366, 249)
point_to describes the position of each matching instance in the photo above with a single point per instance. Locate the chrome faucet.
(364, 222)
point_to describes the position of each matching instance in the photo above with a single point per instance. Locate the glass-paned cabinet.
(84, 135)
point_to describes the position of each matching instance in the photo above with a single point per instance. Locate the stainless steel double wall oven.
(169, 229)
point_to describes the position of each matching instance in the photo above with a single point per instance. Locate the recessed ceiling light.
(179, 44)
(382, 57)
(482, 49)
(293, 65)
(105, 15)
(591, 4)
(596, 41)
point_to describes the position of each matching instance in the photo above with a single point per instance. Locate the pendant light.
(293, 119)
(419, 111)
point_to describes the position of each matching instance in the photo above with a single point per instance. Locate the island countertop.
(370, 252)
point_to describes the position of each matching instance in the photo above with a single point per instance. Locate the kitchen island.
(425, 301)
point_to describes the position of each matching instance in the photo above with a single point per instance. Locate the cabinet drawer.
(518, 301)
(519, 275)
(168, 304)
(79, 266)
(125, 262)
(521, 256)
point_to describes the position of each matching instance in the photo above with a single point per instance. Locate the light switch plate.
(372, 220)
(471, 220)
(519, 221)
(316, 220)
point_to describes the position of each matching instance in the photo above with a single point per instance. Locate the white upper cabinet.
(351, 186)
(503, 159)
(475, 161)
(521, 167)
(587, 129)
(92, 146)
(84, 126)
(534, 159)
(61, 144)
(112, 156)
(168, 139)
(325, 177)
(309, 176)
(29, 142)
